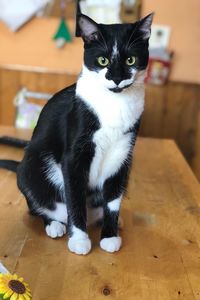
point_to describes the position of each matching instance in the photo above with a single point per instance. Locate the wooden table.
(160, 257)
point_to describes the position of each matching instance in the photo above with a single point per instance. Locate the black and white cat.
(75, 168)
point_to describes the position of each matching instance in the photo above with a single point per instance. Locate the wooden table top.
(160, 256)
(33, 49)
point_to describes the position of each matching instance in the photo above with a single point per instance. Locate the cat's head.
(116, 54)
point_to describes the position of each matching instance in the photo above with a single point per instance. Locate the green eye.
(131, 60)
(103, 61)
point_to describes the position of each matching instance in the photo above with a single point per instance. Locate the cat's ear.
(87, 28)
(145, 26)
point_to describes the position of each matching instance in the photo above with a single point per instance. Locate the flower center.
(16, 286)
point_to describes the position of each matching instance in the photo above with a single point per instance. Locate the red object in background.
(158, 67)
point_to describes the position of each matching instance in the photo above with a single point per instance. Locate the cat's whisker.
(133, 42)
(135, 29)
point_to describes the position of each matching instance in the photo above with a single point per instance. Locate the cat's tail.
(11, 165)
(8, 164)
(14, 142)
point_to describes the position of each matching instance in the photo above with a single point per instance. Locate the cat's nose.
(117, 81)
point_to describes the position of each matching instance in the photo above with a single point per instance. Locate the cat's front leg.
(110, 240)
(79, 241)
(113, 193)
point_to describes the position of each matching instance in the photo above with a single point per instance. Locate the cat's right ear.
(86, 28)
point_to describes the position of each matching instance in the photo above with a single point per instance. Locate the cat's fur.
(78, 160)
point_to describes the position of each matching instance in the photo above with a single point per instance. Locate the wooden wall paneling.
(172, 105)
(195, 162)
(172, 111)
(9, 87)
(188, 121)
(13, 81)
(1, 106)
(45, 82)
(152, 117)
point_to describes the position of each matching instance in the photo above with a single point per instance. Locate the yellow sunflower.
(13, 288)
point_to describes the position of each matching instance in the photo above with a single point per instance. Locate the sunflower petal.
(2, 285)
(8, 294)
(14, 296)
(29, 294)
(3, 290)
(27, 297)
(21, 297)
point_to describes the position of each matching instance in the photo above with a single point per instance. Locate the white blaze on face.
(115, 51)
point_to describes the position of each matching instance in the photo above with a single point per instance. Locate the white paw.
(111, 244)
(55, 229)
(79, 246)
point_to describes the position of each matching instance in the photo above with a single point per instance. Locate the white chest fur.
(112, 148)
(117, 113)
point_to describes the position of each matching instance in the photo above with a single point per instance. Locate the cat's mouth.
(117, 89)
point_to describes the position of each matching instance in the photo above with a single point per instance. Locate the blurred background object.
(16, 13)
(30, 59)
(27, 113)
(130, 10)
(102, 11)
(62, 35)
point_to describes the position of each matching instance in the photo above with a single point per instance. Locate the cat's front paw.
(55, 229)
(111, 244)
(79, 246)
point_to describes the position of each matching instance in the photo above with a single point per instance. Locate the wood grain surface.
(159, 259)
(11, 81)
(172, 111)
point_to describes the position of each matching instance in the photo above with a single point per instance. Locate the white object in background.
(129, 2)
(3, 270)
(28, 113)
(160, 36)
(15, 13)
(102, 11)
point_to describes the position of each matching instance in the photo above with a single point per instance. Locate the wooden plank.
(160, 254)
(9, 88)
(172, 111)
(12, 81)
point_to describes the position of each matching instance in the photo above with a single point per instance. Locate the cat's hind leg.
(41, 182)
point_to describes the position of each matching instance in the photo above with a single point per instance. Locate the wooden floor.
(160, 257)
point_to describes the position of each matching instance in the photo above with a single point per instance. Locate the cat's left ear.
(145, 26)
(87, 28)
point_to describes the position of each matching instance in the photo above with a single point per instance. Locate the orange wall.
(183, 16)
